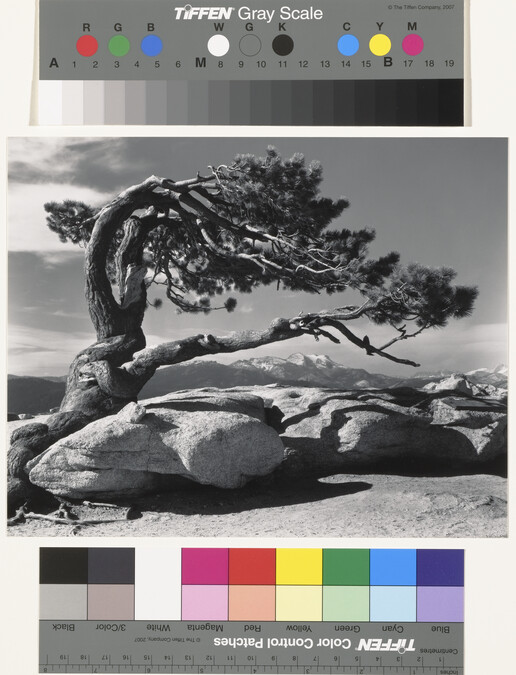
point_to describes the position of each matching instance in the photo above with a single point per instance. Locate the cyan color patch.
(348, 45)
(392, 567)
(393, 603)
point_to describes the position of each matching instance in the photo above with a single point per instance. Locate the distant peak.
(501, 369)
(316, 359)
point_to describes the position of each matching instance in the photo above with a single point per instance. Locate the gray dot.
(250, 45)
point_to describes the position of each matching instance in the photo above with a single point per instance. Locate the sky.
(440, 202)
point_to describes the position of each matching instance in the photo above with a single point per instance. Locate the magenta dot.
(412, 44)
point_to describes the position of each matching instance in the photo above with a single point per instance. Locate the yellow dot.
(380, 44)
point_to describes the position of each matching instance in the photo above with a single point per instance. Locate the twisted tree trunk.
(96, 386)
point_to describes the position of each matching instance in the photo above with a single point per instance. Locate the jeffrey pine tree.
(256, 221)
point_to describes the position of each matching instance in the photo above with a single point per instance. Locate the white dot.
(218, 45)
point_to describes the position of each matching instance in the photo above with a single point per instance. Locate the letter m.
(200, 63)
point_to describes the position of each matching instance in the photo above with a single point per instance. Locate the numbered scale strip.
(235, 647)
(241, 669)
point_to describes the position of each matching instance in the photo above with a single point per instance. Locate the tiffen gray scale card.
(333, 62)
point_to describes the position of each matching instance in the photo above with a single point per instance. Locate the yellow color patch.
(299, 566)
(298, 603)
(380, 44)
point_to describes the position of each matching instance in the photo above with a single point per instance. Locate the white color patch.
(218, 45)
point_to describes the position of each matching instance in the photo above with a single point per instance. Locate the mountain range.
(39, 394)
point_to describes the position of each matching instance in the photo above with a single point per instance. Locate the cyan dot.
(348, 45)
(152, 45)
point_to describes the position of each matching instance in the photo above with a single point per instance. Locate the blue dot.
(348, 45)
(152, 45)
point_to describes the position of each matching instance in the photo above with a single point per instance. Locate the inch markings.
(222, 647)
(244, 668)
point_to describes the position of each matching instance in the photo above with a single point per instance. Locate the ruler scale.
(182, 649)
(331, 62)
(220, 610)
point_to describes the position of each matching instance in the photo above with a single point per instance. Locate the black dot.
(283, 45)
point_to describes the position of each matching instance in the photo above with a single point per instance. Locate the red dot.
(87, 45)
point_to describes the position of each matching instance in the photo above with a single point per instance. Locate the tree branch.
(370, 349)
(179, 351)
(403, 336)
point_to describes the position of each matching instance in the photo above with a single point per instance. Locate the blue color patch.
(348, 45)
(440, 567)
(393, 603)
(152, 45)
(392, 567)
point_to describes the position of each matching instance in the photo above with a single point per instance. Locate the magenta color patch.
(205, 566)
(440, 603)
(204, 603)
(413, 44)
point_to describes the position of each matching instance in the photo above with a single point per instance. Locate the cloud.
(58, 258)
(68, 315)
(63, 160)
(103, 164)
(42, 352)
(27, 229)
(37, 160)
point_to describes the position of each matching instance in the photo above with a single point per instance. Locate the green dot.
(119, 45)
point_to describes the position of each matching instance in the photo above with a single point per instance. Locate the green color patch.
(346, 567)
(119, 45)
(345, 603)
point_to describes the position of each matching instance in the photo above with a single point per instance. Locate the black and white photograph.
(257, 337)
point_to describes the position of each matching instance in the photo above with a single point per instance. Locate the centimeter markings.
(365, 648)
(298, 666)
(245, 668)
